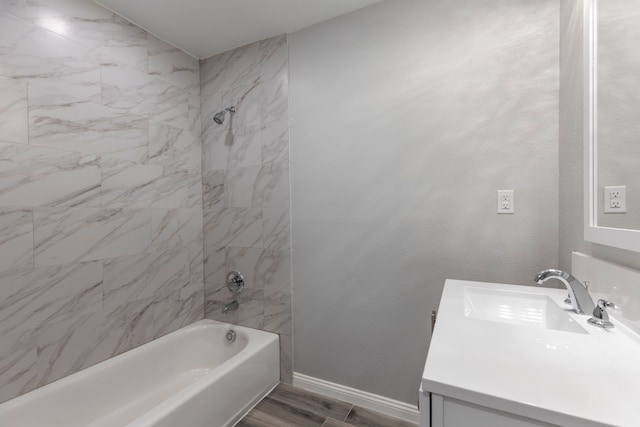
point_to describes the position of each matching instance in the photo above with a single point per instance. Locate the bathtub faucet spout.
(230, 307)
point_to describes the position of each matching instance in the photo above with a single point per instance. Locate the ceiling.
(204, 28)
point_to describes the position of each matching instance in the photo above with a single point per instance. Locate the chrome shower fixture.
(219, 117)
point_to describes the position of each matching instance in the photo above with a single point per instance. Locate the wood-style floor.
(288, 406)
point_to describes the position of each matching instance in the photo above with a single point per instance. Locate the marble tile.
(67, 347)
(286, 359)
(194, 112)
(275, 275)
(17, 364)
(143, 276)
(241, 187)
(250, 313)
(134, 185)
(14, 7)
(248, 101)
(273, 57)
(274, 138)
(233, 148)
(178, 309)
(16, 238)
(93, 26)
(176, 229)
(194, 188)
(247, 261)
(174, 148)
(215, 269)
(69, 235)
(213, 190)
(262, 268)
(236, 67)
(196, 265)
(277, 228)
(272, 186)
(275, 99)
(55, 92)
(239, 227)
(38, 55)
(367, 418)
(130, 49)
(257, 186)
(90, 128)
(32, 298)
(210, 105)
(130, 90)
(275, 270)
(277, 312)
(14, 123)
(314, 402)
(172, 64)
(35, 176)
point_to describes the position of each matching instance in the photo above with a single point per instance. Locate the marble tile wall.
(101, 245)
(246, 188)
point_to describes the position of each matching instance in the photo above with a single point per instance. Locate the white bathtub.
(192, 377)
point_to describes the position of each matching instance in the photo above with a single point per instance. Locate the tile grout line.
(347, 416)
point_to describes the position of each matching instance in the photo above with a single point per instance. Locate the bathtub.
(192, 377)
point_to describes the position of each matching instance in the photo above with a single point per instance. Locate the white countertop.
(568, 379)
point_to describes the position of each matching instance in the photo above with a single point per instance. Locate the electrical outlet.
(615, 199)
(506, 202)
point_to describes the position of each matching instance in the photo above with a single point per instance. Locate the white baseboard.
(377, 403)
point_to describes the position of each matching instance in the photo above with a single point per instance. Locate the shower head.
(219, 117)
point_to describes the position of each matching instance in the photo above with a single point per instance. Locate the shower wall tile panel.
(173, 65)
(63, 235)
(35, 176)
(35, 297)
(18, 359)
(247, 189)
(101, 243)
(16, 238)
(86, 127)
(66, 347)
(14, 125)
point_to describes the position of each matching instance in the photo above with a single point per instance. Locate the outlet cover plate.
(615, 199)
(506, 202)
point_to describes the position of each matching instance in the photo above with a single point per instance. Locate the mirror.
(612, 123)
(618, 112)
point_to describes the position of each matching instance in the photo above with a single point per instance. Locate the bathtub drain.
(231, 336)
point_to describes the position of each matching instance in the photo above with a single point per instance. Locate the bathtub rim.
(257, 340)
(263, 339)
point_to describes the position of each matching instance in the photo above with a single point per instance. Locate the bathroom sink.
(517, 308)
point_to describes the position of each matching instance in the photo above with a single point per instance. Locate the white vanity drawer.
(447, 412)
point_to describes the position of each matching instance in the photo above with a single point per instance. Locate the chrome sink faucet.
(600, 316)
(581, 301)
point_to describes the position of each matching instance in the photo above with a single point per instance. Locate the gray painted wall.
(571, 145)
(406, 117)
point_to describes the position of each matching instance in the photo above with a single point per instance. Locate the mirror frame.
(616, 237)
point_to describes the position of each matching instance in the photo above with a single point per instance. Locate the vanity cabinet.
(516, 356)
(448, 412)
